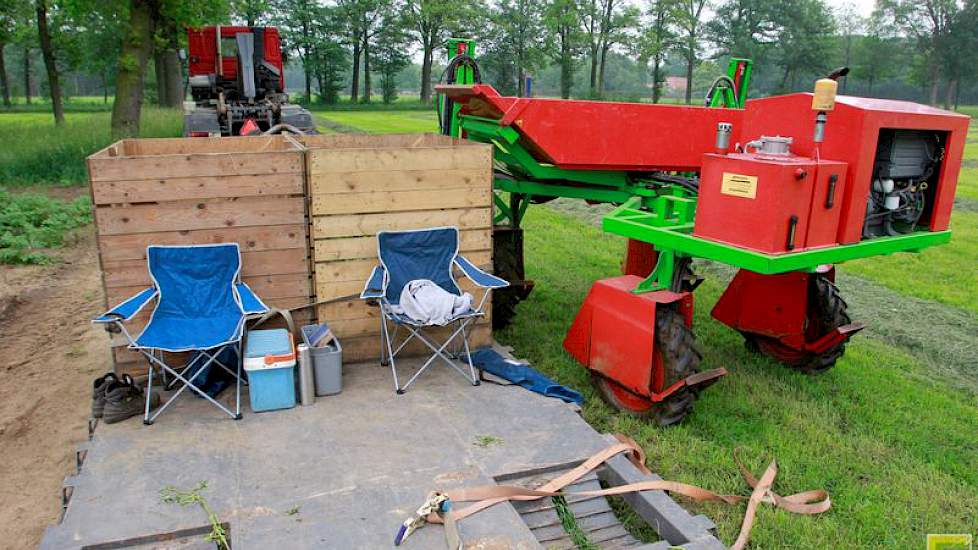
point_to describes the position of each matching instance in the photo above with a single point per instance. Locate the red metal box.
(769, 203)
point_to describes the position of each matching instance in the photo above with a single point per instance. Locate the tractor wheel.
(676, 358)
(507, 262)
(827, 312)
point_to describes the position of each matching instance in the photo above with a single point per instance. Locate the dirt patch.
(49, 353)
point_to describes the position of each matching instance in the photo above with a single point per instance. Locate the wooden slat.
(383, 141)
(356, 225)
(353, 248)
(268, 287)
(367, 348)
(359, 270)
(200, 214)
(266, 262)
(352, 328)
(251, 239)
(383, 180)
(400, 201)
(323, 161)
(163, 187)
(210, 145)
(194, 165)
(358, 309)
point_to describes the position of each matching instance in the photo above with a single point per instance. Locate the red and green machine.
(782, 188)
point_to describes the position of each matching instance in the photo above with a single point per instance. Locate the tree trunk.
(428, 45)
(47, 50)
(566, 63)
(174, 78)
(3, 78)
(137, 44)
(656, 77)
(160, 70)
(105, 88)
(27, 75)
(690, 61)
(604, 58)
(355, 85)
(366, 68)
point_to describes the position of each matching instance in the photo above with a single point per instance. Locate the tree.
(850, 26)
(361, 18)
(515, 45)
(803, 41)
(12, 15)
(252, 12)
(50, 63)
(745, 28)
(929, 23)
(873, 56)
(562, 21)
(430, 23)
(656, 41)
(327, 57)
(687, 14)
(390, 55)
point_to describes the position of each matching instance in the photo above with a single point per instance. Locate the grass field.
(889, 432)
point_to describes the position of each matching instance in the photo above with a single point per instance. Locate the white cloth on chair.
(429, 304)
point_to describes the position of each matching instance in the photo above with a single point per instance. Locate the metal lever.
(830, 198)
(792, 225)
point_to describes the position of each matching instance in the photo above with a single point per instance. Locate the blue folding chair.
(201, 306)
(430, 254)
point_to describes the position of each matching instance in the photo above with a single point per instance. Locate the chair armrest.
(477, 276)
(374, 287)
(127, 309)
(250, 302)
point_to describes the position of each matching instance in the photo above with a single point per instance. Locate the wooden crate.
(248, 190)
(362, 184)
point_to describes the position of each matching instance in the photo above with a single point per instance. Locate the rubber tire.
(506, 264)
(828, 311)
(680, 359)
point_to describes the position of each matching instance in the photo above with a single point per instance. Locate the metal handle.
(830, 197)
(792, 225)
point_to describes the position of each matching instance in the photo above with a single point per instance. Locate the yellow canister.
(824, 96)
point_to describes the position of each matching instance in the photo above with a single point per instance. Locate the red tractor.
(237, 81)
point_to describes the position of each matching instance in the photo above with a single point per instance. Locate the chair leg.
(237, 385)
(390, 352)
(149, 395)
(468, 357)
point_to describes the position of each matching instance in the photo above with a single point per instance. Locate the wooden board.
(199, 214)
(355, 225)
(360, 185)
(202, 191)
(352, 248)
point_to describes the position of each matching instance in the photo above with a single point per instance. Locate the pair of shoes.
(124, 399)
(98, 393)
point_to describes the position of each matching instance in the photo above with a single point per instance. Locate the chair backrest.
(196, 281)
(418, 254)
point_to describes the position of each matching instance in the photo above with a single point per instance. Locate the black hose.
(716, 86)
(448, 76)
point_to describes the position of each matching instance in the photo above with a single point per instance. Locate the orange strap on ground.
(807, 502)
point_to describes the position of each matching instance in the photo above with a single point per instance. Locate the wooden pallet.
(248, 190)
(361, 184)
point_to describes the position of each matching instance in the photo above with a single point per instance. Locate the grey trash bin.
(327, 364)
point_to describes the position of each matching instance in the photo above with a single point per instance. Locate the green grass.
(893, 446)
(36, 152)
(30, 223)
(947, 274)
(383, 122)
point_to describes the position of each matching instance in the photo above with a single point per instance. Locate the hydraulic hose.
(716, 86)
(449, 76)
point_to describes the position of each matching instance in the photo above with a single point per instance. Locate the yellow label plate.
(739, 185)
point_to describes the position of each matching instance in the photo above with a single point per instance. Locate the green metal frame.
(658, 213)
(726, 97)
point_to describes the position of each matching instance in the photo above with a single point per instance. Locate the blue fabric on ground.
(214, 379)
(421, 254)
(522, 374)
(197, 307)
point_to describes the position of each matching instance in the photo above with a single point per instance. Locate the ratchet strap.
(482, 497)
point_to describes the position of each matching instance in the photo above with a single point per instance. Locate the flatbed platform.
(346, 471)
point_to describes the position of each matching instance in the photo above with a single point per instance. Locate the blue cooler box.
(269, 360)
